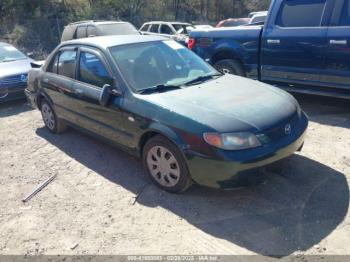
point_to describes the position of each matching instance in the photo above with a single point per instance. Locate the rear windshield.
(118, 29)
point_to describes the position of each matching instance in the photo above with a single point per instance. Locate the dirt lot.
(302, 207)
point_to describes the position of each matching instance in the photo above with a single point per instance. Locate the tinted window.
(301, 13)
(92, 31)
(164, 29)
(81, 32)
(92, 70)
(345, 17)
(154, 29)
(66, 63)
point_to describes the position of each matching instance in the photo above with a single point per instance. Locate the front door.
(93, 73)
(293, 42)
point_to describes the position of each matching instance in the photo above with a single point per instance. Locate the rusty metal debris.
(39, 188)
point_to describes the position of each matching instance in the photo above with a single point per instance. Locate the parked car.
(177, 31)
(158, 100)
(233, 22)
(198, 27)
(258, 19)
(14, 67)
(91, 28)
(304, 47)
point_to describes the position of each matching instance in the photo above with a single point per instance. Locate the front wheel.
(51, 121)
(165, 165)
(229, 66)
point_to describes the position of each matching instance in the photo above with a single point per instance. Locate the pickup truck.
(304, 47)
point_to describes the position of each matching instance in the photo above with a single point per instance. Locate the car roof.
(104, 42)
(96, 22)
(164, 22)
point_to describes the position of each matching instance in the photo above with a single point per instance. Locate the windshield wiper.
(158, 88)
(201, 79)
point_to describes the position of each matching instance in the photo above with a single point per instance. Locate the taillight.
(191, 43)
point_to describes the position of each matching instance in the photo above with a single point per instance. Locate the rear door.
(58, 81)
(336, 72)
(294, 40)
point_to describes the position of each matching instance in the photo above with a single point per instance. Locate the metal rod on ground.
(39, 188)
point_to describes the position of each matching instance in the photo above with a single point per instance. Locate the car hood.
(229, 104)
(15, 67)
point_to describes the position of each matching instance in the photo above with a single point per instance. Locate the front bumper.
(219, 173)
(32, 98)
(12, 93)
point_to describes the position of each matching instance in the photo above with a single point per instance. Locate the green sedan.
(159, 101)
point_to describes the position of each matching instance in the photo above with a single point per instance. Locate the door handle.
(274, 41)
(338, 42)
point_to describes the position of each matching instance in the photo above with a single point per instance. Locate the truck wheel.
(229, 66)
(165, 165)
(51, 121)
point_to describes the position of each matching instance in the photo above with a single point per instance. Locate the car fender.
(165, 131)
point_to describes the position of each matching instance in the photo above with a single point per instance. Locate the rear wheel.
(52, 122)
(229, 66)
(165, 165)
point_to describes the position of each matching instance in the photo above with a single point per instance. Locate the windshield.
(146, 65)
(9, 53)
(118, 29)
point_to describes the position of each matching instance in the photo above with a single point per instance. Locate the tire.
(51, 121)
(229, 66)
(165, 165)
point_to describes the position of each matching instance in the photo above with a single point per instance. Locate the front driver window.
(92, 71)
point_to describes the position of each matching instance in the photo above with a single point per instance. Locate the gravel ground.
(102, 203)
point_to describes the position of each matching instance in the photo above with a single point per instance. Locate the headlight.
(232, 141)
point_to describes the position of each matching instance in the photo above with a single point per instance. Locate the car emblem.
(24, 78)
(288, 129)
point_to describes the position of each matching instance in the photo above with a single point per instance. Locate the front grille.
(280, 131)
(17, 80)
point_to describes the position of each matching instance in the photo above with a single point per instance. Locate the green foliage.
(36, 25)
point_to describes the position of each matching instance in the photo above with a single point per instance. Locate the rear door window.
(92, 70)
(66, 63)
(301, 13)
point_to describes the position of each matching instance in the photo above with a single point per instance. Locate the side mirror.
(30, 54)
(106, 93)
